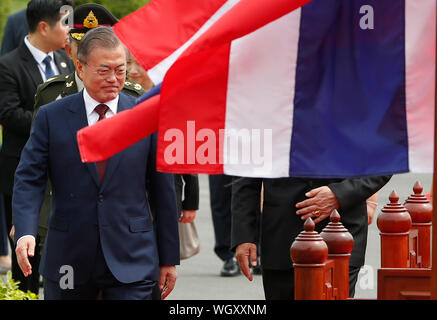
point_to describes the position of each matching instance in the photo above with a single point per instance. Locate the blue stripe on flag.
(350, 86)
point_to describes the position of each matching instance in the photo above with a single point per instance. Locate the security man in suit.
(37, 59)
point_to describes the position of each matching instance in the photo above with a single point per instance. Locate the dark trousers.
(26, 283)
(220, 190)
(102, 285)
(4, 246)
(279, 284)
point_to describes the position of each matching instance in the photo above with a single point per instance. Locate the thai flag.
(336, 88)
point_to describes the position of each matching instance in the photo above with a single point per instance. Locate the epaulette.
(133, 86)
(55, 79)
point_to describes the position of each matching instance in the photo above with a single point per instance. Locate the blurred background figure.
(15, 30)
(35, 60)
(137, 73)
(220, 189)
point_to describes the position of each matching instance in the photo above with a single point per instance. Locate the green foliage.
(9, 290)
(5, 9)
(119, 8)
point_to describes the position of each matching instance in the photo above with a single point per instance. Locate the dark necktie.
(49, 71)
(101, 165)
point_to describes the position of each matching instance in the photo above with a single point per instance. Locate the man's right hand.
(25, 248)
(245, 252)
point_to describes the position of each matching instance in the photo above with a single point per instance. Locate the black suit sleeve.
(246, 198)
(349, 192)
(12, 114)
(191, 192)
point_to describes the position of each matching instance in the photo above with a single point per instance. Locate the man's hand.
(167, 280)
(25, 248)
(12, 233)
(187, 216)
(322, 201)
(245, 252)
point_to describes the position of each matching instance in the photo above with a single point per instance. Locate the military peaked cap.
(89, 16)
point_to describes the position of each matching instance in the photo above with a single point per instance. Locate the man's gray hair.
(100, 37)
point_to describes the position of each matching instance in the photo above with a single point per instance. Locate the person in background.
(5, 259)
(15, 30)
(371, 203)
(220, 190)
(287, 203)
(38, 58)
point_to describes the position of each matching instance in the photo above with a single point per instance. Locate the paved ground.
(199, 276)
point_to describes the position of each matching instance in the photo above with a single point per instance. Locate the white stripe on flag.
(158, 72)
(420, 82)
(260, 98)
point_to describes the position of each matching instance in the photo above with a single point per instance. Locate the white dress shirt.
(39, 56)
(91, 104)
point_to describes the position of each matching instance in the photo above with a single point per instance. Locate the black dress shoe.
(230, 268)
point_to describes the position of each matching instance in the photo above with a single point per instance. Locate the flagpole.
(434, 192)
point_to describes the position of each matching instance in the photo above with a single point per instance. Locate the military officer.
(86, 17)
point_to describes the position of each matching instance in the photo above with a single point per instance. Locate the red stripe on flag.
(162, 26)
(109, 136)
(211, 86)
(194, 89)
(205, 65)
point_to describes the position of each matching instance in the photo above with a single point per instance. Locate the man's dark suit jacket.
(87, 213)
(16, 29)
(281, 225)
(19, 78)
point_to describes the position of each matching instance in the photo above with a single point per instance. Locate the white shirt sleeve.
(26, 236)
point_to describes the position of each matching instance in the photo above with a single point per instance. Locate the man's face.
(56, 36)
(71, 49)
(104, 73)
(137, 73)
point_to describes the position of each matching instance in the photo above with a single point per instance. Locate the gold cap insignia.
(90, 21)
(77, 36)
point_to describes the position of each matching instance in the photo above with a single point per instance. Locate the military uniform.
(64, 85)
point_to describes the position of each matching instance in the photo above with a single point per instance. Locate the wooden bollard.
(340, 244)
(420, 210)
(309, 253)
(394, 223)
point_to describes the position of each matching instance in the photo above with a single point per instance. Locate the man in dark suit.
(287, 203)
(100, 227)
(15, 31)
(21, 71)
(64, 85)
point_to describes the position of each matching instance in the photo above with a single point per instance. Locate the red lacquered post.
(309, 253)
(420, 210)
(394, 224)
(340, 244)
